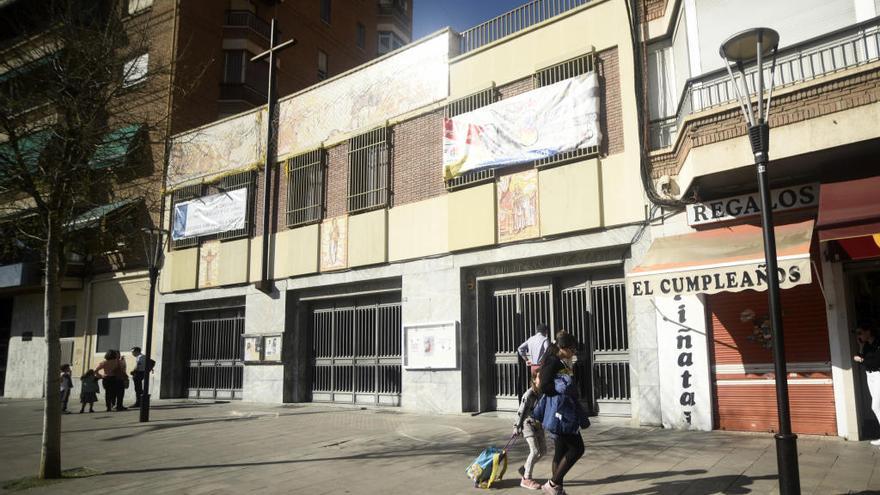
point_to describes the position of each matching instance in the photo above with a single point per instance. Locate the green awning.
(30, 147)
(28, 67)
(91, 217)
(115, 147)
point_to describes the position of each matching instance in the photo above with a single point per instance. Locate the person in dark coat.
(869, 358)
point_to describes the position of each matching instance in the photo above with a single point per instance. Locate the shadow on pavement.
(636, 476)
(733, 484)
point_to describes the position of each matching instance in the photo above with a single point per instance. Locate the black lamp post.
(758, 44)
(154, 247)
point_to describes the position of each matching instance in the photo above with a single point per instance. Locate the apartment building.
(198, 66)
(703, 270)
(403, 271)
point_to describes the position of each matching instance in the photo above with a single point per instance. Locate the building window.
(463, 105)
(120, 334)
(234, 66)
(135, 6)
(361, 36)
(135, 70)
(325, 11)
(369, 170)
(322, 65)
(388, 42)
(305, 188)
(565, 70)
(68, 322)
(228, 183)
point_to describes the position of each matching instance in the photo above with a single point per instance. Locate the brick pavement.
(195, 448)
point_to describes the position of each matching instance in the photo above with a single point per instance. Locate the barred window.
(305, 188)
(228, 183)
(463, 105)
(369, 171)
(570, 68)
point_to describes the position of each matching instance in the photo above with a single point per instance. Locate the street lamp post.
(758, 44)
(154, 247)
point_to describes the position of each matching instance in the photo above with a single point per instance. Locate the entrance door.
(356, 352)
(516, 313)
(866, 306)
(216, 370)
(5, 332)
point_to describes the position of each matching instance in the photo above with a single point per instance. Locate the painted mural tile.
(334, 243)
(518, 216)
(209, 264)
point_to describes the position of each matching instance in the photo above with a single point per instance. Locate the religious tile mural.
(229, 145)
(518, 206)
(334, 243)
(209, 264)
(410, 79)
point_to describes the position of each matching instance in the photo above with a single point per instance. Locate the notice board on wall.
(430, 346)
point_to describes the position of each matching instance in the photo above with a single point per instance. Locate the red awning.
(849, 209)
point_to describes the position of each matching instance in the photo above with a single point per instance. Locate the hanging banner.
(210, 214)
(538, 124)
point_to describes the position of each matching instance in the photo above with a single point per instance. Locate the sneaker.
(875, 442)
(552, 490)
(530, 484)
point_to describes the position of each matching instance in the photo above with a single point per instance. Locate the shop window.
(120, 334)
(369, 170)
(463, 105)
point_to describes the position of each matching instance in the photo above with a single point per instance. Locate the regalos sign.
(721, 210)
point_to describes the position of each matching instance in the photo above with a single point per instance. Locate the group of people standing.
(112, 374)
(550, 407)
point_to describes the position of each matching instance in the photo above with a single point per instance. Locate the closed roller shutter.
(745, 394)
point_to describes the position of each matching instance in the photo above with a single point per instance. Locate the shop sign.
(746, 205)
(682, 349)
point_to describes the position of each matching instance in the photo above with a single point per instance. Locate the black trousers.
(110, 386)
(569, 448)
(138, 378)
(65, 397)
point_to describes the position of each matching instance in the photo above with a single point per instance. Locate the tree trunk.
(50, 456)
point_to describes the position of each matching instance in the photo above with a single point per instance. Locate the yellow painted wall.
(233, 262)
(368, 238)
(418, 229)
(256, 258)
(183, 266)
(472, 217)
(296, 252)
(623, 198)
(570, 198)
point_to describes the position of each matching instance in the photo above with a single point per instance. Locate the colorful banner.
(210, 214)
(538, 124)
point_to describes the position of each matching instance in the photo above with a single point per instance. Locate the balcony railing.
(245, 18)
(833, 52)
(516, 20)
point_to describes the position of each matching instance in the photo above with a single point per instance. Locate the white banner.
(683, 354)
(538, 124)
(210, 214)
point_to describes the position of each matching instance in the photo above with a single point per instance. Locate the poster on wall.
(430, 346)
(272, 348)
(209, 264)
(210, 214)
(537, 124)
(518, 206)
(253, 348)
(682, 351)
(334, 243)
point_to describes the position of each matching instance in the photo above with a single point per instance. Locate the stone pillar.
(265, 314)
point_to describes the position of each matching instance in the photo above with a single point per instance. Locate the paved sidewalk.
(197, 448)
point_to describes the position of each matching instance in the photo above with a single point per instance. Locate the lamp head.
(743, 46)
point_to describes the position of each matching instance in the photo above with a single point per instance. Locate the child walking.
(533, 432)
(66, 387)
(89, 393)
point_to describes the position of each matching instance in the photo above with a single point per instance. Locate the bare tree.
(84, 110)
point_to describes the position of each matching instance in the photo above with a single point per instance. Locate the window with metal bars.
(305, 188)
(369, 170)
(549, 75)
(228, 183)
(463, 105)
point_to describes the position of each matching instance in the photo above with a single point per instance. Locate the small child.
(89, 393)
(66, 387)
(533, 432)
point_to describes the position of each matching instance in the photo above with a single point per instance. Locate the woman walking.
(560, 411)
(113, 376)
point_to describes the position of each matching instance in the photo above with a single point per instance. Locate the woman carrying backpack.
(560, 411)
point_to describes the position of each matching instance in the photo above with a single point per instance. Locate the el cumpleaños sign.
(722, 210)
